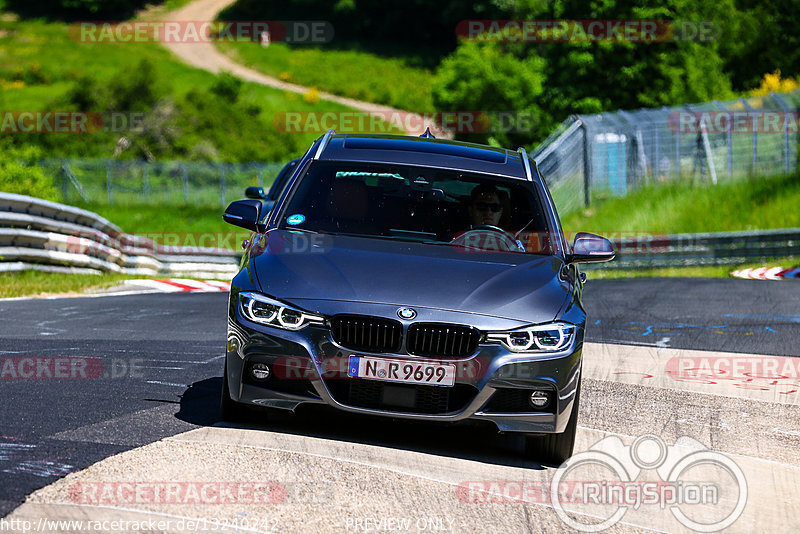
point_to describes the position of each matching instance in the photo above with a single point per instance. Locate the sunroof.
(430, 147)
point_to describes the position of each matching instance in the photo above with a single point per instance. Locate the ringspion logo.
(704, 490)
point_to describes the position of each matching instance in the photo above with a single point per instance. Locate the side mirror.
(244, 213)
(256, 193)
(590, 248)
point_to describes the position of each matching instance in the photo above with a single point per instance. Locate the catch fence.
(107, 181)
(612, 154)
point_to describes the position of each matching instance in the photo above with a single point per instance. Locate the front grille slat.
(381, 335)
(433, 339)
(368, 334)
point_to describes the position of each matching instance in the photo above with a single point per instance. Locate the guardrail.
(679, 250)
(48, 236)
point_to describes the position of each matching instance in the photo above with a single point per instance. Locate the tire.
(555, 449)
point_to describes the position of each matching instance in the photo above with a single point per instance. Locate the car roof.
(428, 152)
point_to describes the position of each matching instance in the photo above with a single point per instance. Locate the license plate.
(437, 374)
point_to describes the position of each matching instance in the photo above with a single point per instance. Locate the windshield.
(410, 203)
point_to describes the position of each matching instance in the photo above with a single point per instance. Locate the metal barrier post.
(222, 186)
(185, 181)
(587, 165)
(109, 186)
(754, 161)
(145, 180)
(786, 149)
(728, 140)
(64, 181)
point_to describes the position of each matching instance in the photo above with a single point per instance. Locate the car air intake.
(404, 398)
(438, 339)
(368, 334)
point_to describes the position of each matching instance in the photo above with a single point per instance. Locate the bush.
(76, 9)
(19, 174)
(137, 89)
(227, 87)
(480, 77)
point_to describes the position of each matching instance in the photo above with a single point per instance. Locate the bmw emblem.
(406, 313)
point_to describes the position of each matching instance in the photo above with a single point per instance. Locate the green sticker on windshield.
(295, 219)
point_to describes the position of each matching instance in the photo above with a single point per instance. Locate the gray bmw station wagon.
(412, 277)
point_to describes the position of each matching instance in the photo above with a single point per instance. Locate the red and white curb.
(181, 285)
(768, 273)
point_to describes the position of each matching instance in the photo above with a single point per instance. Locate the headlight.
(264, 310)
(553, 337)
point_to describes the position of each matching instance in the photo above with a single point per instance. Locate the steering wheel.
(473, 238)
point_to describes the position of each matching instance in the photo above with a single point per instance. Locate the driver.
(485, 206)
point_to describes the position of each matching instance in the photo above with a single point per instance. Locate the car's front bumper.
(307, 367)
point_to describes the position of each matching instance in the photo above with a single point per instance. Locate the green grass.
(51, 60)
(351, 73)
(185, 225)
(35, 283)
(711, 271)
(755, 204)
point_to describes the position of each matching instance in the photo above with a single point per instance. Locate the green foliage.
(210, 126)
(136, 89)
(19, 174)
(480, 77)
(153, 221)
(424, 27)
(391, 81)
(227, 86)
(76, 9)
(589, 77)
(760, 36)
(42, 69)
(755, 204)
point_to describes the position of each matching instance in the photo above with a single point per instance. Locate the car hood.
(293, 266)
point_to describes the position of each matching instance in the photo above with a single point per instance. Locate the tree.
(581, 75)
(484, 78)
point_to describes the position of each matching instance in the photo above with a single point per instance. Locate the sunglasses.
(485, 206)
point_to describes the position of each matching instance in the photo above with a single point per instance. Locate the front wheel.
(556, 449)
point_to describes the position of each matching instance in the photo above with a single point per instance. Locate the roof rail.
(325, 140)
(526, 164)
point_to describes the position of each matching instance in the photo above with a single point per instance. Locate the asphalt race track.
(137, 369)
(706, 314)
(151, 349)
